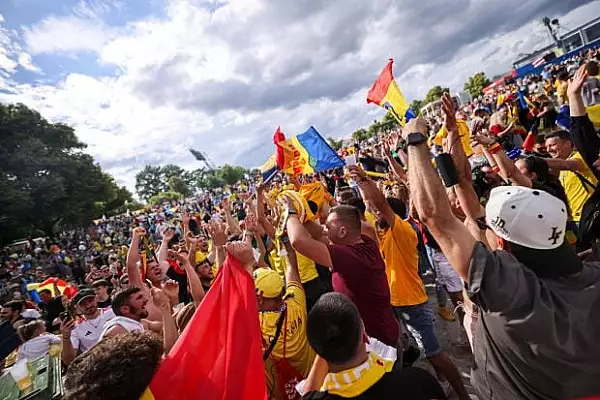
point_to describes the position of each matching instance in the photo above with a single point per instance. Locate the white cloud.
(223, 80)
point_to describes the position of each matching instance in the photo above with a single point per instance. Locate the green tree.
(335, 143)
(476, 83)
(360, 134)
(150, 181)
(388, 123)
(230, 174)
(416, 106)
(177, 184)
(434, 94)
(162, 197)
(47, 181)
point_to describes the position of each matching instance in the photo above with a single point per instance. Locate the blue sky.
(142, 81)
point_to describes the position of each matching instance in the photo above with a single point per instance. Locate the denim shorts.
(419, 321)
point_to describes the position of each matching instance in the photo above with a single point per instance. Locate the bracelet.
(495, 148)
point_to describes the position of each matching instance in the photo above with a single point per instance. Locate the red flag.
(218, 355)
(280, 151)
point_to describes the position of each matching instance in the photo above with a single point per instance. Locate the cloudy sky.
(141, 81)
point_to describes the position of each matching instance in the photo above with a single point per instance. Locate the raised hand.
(576, 83)
(185, 217)
(138, 232)
(449, 113)
(160, 299)
(171, 289)
(168, 235)
(241, 251)
(216, 230)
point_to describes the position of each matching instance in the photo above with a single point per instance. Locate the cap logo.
(555, 235)
(499, 223)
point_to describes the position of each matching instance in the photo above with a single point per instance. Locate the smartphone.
(66, 316)
(350, 159)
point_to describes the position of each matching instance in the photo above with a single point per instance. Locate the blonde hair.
(498, 119)
(28, 330)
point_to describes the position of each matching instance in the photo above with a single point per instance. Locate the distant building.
(584, 37)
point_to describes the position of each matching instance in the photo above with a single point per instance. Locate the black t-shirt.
(105, 304)
(409, 383)
(52, 309)
(181, 279)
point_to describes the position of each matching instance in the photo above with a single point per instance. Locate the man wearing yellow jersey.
(398, 244)
(575, 175)
(285, 308)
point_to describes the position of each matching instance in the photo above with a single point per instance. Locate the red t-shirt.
(359, 273)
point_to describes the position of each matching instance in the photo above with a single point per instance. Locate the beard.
(141, 313)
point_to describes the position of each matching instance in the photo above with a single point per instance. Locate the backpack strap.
(268, 352)
(584, 181)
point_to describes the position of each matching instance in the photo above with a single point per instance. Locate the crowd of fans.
(505, 225)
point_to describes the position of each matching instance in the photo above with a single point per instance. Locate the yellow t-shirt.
(306, 267)
(297, 350)
(577, 193)
(398, 246)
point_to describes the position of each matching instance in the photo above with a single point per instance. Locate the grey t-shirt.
(535, 338)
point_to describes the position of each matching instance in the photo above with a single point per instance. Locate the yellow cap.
(268, 282)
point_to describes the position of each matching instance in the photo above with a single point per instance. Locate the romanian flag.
(386, 93)
(219, 354)
(305, 153)
(526, 103)
(269, 169)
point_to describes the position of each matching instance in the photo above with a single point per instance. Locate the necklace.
(89, 321)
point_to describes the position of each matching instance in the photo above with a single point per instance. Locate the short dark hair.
(45, 291)
(100, 283)
(356, 202)
(564, 135)
(397, 206)
(333, 328)
(107, 372)
(349, 216)
(15, 305)
(120, 298)
(27, 330)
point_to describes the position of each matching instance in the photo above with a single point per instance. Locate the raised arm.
(170, 334)
(291, 272)
(195, 286)
(303, 242)
(216, 230)
(469, 201)
(164, 247)
(232, 223)
(582, 130)
(431, 202)
(133, 258)
(394, 165)
(371, 194)
(260, 211)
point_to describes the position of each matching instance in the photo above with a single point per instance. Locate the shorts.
(445, 274)
(419, 321)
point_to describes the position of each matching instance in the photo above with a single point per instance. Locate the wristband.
(495, 148)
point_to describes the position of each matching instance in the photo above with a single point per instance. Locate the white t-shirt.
(87, 333)
(37, 347)
(130, 325)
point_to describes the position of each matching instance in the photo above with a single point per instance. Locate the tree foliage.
(47, 181)
(156, 179)
(476, 83)
(160, 198)
(335, 143)
(360, 134)
(416, 106)
(434, 94)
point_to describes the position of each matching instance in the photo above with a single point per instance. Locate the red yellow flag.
(218, 355)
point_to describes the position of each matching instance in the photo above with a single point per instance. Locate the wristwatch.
(415, 138)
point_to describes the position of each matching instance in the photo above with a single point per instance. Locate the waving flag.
(269, 169)
(219, 355)
(386, 93)
(306, 153)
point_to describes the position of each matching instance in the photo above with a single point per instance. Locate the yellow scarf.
(355, 381)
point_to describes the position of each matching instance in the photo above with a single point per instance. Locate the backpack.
(589, 223)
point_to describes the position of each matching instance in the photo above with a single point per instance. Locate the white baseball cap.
(528, 217)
